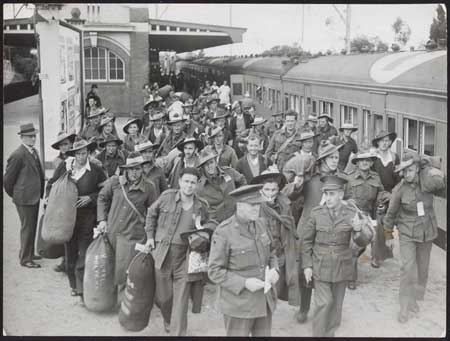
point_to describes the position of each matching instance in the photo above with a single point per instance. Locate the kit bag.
(137, 302)
(61, 212)
(431, 178)
(98, 283)
(44, 249)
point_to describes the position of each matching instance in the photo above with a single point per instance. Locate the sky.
(278, 24)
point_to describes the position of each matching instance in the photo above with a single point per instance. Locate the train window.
(349, 114)
(308, 100)
(237, 89)
(279, 100)
(411, 134)
(378, 123)
(302, 107)
(296, 103)
(286, 102)
(153, 27)
(391, 124)
(326, 108)
(291, 102)
(314, 107)
(264, 94)
(366, 123)
(427, 133)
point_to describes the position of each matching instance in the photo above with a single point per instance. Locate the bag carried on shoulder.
(431, 178)
(139, 293)
(61, 213)
(98, 283)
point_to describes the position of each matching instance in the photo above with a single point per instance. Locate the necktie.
(35, 154)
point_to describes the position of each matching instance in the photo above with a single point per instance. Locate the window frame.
(108, 54)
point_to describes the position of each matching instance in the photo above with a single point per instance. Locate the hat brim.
(259, 179)
(104, 143)
(219, 117)
(90, 147)
(176, 121)
(185, 235)
(329, 118)
(34, 132)
(331, 151)
(146, 105)
(348, 128)
(132, 165)
(392, 137)
(205, 160)
(307, 138)
(356, 159)
(127, 125)
(198, 145)
(154, 147)
(404, 164)
(100, 127)
(258, 123)
(71, 137)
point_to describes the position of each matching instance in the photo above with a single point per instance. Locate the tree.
(361, 44)
(402, 31)
(284, 50)
(438, 29)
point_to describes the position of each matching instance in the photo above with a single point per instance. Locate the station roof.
(181, 36)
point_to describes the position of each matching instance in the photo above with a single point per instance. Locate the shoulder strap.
(141, 217)
(287, 142)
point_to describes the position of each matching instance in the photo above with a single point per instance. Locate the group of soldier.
(277, 208)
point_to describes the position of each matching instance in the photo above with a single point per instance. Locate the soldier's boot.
(352, 285)
(166, 327)
(301, 316)
(402, 317)
(414, 307)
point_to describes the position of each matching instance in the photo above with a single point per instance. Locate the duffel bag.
(44, 249)
(61, 212)
(165, 91)
(137, 302)
(99, 290)
(431, 179)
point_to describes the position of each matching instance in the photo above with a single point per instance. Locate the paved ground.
(37, 301)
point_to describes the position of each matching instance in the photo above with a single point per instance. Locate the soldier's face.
(111, 148)
(312, 124)
(332, 160)
(158, 124)
(384, 143)
(210, 167)
(270, 190)
(221, 122)
(322, 122)
(134, 174)
(96, 120)
(365, 164)
(218, 139)
(253, 147)
(279, 119)
(189, 150)
(81, 156)
(410, 172)
(177, 127)
(290, 122)
(148, 155)
(133, 129)
(146, 167)
(333, 198)
(188, 184)
(248, 211)
(307, 145)
(108, 128)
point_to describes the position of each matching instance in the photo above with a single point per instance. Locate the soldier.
(191, 127)
(175, 212)
(239, 122)
(151, 171)
(90, 130)
(111, 157)
(411, 210)
(258, 128)
(350, 146)
(226, 155)
(311, 125)
(188, 157)
(213, 103)
(283, 143)
(243, 264)
(252, 163)
(366, 192)
(277, 209)
(276, 123)
(63, 143)
(326, 130)
(133, 136)
(151, 108)
(176, 135)
(326, 253)
(156, 132)
(215, 184)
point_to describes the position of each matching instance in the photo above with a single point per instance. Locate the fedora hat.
(61, 137)
(27, 129)
(205, 156)
(146, 145)
(151, 101)
(134, 159)
(80, 144)
(198, 143)
(305, 135)
(312, 118)
(382, 134)
(364, 154)
(104, 122)
(110, 138)
(270, 173)
(98, 112)
(156, 117)
(131, 121)
(348, 126)
(258, 121)
(328, 117)
(326, 148)
(408, 160)
(222, 114)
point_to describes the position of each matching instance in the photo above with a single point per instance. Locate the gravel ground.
(38, 302)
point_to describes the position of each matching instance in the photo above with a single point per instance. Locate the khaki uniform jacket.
(402, 212)
(163, 217)
(326, 244)
(237, 254)
(170, 142)
(276, 141)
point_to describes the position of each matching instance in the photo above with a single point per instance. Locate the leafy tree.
(361, 44)
(438, 29)
(284, 50)
(402, 31)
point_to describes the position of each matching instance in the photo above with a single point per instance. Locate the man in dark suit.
(253, 163)
(24, 183)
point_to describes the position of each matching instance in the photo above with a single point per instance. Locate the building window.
(302, 107)
(411, 134)
(103, 65)
(296, 103)
(349, 115)
(172, 28)
(279, 100)
(153, 27)
(308, 100)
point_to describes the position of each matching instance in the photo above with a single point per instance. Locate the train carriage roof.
(236, 63)
(419, 69)
(271, 65)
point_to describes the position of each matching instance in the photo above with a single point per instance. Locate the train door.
(237, 86)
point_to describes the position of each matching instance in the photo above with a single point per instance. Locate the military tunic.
(326, 249)
(242, 250)
(278, 140)
(171, 141)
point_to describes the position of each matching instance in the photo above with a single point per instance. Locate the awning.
(167, 35)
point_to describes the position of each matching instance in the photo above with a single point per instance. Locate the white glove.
(254, 284)
(308, 274)
(273, 276)
(101, 227)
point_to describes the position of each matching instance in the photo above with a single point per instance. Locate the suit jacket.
(244, 168)
(24, 178)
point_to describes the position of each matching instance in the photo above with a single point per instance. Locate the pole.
(347, 30)
(231, 24)
(41, 112)
(303, 24)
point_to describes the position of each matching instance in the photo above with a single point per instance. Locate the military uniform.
(239, 251)
(326, 249)
(326, 132)
(170, 142)
(278, 140)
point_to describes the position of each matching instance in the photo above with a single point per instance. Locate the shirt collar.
(359, 174)
(135, 187)
(30, 149)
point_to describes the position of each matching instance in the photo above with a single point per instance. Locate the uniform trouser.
(258, 326)
(305, 293)
(28, 215)
(356, 253)
(414, 272)
(76, 247)
(328, 298)
(173, 289)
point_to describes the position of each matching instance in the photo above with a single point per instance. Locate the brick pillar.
(139, 69)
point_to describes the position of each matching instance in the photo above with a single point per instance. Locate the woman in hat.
(366, 192)
(152, 172)
(326, 164)
(63, 143)
(133, 136)
(106, 128)
(226, 155)
(387, 160)
(221, 120)
(111, 157)
(350, 146)
(411, 210)
(326, 129)
(88, 177)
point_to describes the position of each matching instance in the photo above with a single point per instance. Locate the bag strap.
(141, 217)
(287, 142)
